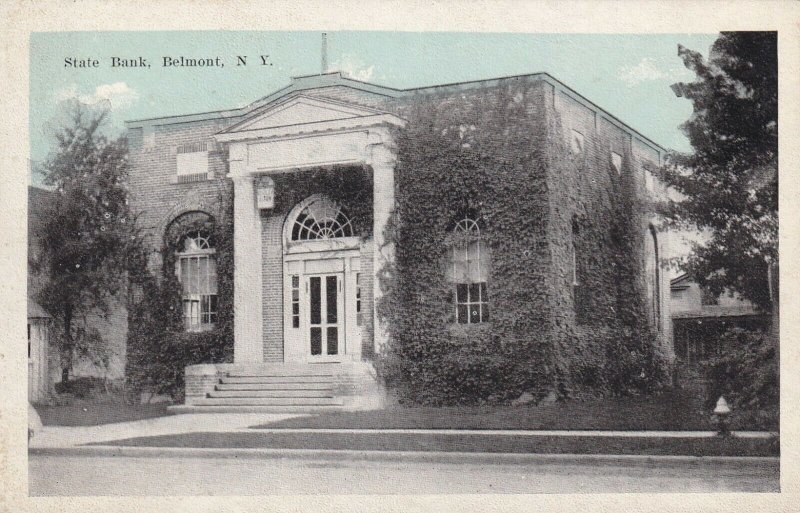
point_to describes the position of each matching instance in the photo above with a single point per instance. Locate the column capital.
(381, 155)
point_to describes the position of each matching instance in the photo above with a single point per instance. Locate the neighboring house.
(304, 284)
(699, 318)
(44, 361)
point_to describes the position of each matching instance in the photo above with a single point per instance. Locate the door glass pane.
(331, 292)
(316, 341)
(333, 340)
(316, 297)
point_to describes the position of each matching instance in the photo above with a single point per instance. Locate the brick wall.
(272, 279)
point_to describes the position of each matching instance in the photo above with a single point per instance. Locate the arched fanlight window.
(469, 272)
(197, 273)
(321, 219)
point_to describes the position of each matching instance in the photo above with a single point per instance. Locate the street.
(62, 475)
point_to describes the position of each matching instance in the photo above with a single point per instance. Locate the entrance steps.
(280, 388)
(273, 388)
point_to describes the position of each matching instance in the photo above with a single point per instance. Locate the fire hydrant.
(721, 413)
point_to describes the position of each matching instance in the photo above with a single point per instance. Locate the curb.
(399, 456)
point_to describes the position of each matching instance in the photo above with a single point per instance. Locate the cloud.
(117, 96)
(645, 71)
(353, 67)
(648, 70)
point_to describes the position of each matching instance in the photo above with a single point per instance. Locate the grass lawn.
(674, 411)
(714, 446)
(98, 410)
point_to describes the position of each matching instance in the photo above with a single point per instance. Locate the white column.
(382, 162)
(248, 342)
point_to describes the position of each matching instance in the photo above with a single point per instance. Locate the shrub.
(746, 373)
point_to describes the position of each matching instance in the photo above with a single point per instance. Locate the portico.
(319, 305)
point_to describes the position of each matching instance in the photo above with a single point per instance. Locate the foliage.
(87, 237)
(159, 348)
(746, 373)
(347, 186)
(481, 154)
(729, 183)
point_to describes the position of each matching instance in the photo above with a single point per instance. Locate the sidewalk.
(64, 437)
(53, 437)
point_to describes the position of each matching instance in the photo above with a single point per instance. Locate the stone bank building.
(305, 266)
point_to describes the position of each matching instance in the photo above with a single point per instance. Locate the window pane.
(295, 321)
(461, 293)
(316, 300)
(485, 264)
(184, 263)
(295, 308)
(316, 341)
(474, 313)
(203, 275)
(295, 295)
(212, 275)
(295, 282)
(474, 294)
(193, 276)
(484, 296)
(460, 272)
(463, 310)
(331, 293)
(333, 340)
(485, 312)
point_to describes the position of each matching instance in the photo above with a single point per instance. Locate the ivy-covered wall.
(159, 347)
(501, 154)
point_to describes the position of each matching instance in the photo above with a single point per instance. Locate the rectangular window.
(472, 305)
(198, 277)
(616, 162)
(192, 162)
(576, 142)
(359, 315)
(295, 301)
(648, 179)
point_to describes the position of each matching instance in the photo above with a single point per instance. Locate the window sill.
(200, 329)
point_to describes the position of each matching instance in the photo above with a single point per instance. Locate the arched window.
(469, 272)
(197, 273)
(321, 219)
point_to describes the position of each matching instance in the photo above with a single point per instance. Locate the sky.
(628, 75)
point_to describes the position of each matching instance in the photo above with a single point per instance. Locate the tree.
(87, 237)
(729, 183)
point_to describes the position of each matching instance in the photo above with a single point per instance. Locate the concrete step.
(269, 401)
(187, 408)
(272, 393)
(273, 386)
(276, 379)
(288, 370)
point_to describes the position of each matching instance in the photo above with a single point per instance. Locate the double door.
(325, 315)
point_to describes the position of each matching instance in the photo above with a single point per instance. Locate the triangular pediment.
(301, 110)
